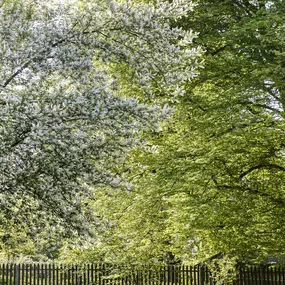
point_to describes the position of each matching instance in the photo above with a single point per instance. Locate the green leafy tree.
(65, 126)
(213, 176)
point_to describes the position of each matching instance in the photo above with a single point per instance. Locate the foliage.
(223, 270)
(65, 124)
(213, 177)
(15, 243)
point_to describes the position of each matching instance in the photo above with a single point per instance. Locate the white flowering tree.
(64, 124)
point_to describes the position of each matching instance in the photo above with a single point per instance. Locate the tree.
(213, 179)
(64, 126)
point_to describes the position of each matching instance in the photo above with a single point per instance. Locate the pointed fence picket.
(108, 274)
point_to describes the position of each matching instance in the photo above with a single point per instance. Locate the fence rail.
(107, 274)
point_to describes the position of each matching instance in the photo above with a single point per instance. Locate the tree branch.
(260, 166)
(220, 49)
(278, 201)
(26, 64)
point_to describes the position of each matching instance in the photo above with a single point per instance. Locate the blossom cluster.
(63, 126)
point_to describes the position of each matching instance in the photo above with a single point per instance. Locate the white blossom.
(63, 126)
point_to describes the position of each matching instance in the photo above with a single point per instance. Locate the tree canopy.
(208, 180)
(213, 177)
(64, 125)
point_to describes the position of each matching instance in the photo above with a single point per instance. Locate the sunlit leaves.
(66, 124)
(216, 170)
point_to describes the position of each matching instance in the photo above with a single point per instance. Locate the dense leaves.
(209, 180)
(63, 126)
(213, 179)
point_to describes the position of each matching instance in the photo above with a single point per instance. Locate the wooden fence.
(106, 274)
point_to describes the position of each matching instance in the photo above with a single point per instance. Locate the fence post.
(202, 275)
(262, 274)
(17, 274)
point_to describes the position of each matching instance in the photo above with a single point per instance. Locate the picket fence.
(108, 274)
